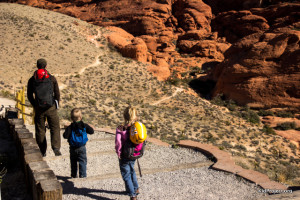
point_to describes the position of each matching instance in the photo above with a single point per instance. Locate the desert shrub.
(106, 19)
(240, 147)
(268, 130)
(7, 94)
(64, 113)
(174, 81)
(265, 113)
(286, 172)
(286, 126)
(231, 105)
(284, 114)
(255, 142)
(226, 144)
(251, 116)
(220, 101)
(92, 102)
(209, 138)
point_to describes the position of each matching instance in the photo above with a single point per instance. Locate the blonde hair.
(130, 115)
(76, 114)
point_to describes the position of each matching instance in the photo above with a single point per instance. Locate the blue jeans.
(129, 176)
(78, 154)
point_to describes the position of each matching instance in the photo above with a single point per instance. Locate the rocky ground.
(102, 83)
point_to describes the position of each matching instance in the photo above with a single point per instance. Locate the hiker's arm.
(89, 129)
(118, 143)
(30, 92)
(56, 89)
(67, 132)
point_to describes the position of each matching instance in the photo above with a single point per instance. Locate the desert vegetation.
(111, 82)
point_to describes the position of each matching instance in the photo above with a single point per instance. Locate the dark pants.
(40, 131)
(78, 154)
(129, 176)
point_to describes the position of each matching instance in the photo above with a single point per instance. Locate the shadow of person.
(69, 188)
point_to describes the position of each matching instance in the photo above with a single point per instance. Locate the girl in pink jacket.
(126, 165)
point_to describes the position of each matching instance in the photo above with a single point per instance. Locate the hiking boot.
(57, 152)
(133, 198)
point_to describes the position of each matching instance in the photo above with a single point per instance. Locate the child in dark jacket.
(77, 153)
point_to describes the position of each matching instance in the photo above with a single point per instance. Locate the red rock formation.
(127, 44)
(281, 15)
(224, 6)
(203, 44)
(237, 24)
(262, 69)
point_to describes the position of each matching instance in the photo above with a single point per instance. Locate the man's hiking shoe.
(57, 152)
(137, 192)
(133, 198)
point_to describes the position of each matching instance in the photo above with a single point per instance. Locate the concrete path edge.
(223, 162)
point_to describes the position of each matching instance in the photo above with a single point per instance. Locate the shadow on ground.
(69, 188)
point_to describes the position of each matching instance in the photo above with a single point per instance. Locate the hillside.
(93, 76)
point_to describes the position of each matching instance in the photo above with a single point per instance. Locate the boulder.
(261, 69)
(235, 25)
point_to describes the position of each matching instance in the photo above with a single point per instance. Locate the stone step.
(144, 171)
(89, 154)
(106, 162)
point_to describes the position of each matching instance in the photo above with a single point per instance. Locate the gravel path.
(168, 173)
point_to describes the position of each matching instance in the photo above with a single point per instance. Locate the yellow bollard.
(18, 103)
(23, 103)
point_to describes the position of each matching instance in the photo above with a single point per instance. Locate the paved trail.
(168, 173)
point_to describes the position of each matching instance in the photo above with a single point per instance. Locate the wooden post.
(37, 177)
(50, 189)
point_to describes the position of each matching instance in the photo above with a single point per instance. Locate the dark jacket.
(76, 125)
(56, 93)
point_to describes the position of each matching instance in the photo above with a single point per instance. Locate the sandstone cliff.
(174, 36)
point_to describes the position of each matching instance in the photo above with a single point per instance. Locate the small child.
(77, 152)
(127, 166)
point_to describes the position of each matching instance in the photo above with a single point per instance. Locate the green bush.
(250, 116)
(286, 126)
(7, 94)
(226, 144)
(218, 100)
(265, 113)
(284, 114)
(92, 102)
(268, 130)
(240, 147)
(174, 81)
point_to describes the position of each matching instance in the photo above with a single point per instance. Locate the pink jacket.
(121, 138)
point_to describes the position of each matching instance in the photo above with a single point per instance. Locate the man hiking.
(43, 94)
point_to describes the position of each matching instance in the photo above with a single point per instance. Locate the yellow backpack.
(138, 133)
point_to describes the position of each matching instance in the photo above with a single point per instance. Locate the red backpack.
(43, 88)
